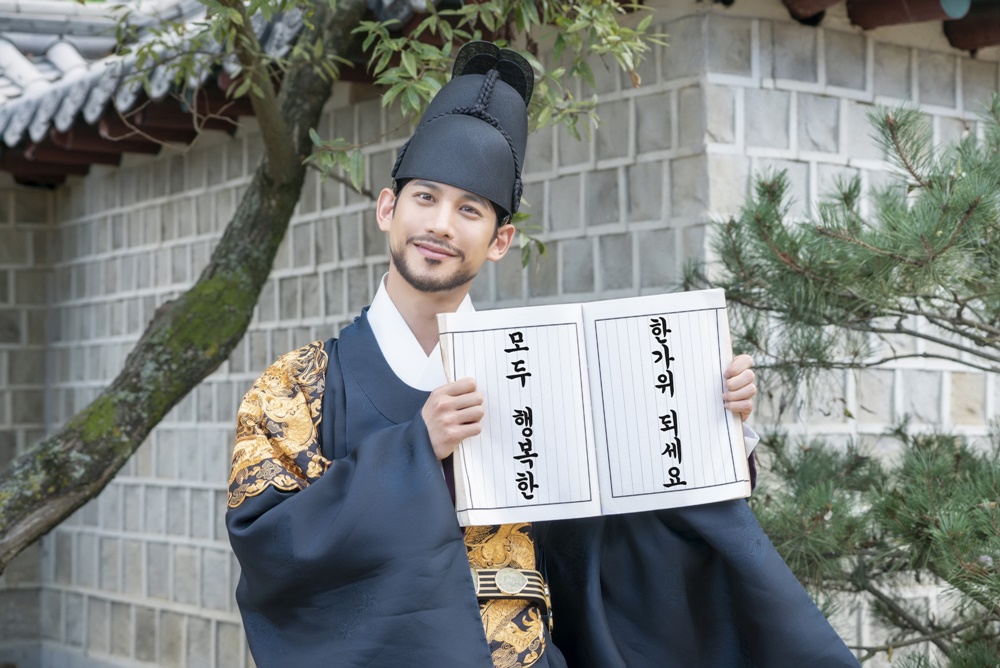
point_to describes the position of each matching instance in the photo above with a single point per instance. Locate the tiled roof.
(58, 75)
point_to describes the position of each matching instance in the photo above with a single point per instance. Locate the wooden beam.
(804, 9)
(173, 117)
(980, 28)
(112, 127)
(40, 181)
(56, 155)
(87, 139)
(27, 168)
(867, 14)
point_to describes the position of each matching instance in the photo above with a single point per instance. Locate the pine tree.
(853, 286)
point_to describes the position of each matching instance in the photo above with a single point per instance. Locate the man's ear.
(384, 208)
(505, 237)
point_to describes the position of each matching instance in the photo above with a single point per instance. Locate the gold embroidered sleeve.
(277, 427)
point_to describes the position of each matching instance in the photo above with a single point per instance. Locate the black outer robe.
(367, 567)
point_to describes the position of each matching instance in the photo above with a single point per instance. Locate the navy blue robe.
(366, 565)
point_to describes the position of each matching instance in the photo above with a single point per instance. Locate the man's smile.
(435, 250)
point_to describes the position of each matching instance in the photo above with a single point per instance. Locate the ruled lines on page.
(661, 428)
(534, 458)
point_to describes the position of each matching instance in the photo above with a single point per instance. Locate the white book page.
(534, 459)
(663, 438)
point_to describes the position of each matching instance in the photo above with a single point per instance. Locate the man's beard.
(426, 283)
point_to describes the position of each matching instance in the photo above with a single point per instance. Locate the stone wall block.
(845, 59)
(577, 257)
(922, 395)
(19, 614)
(85, 574)
(177, 512)
(198, 646)
(145, 638)
(187, 575)
(171, 636)
(229, 645)
(543, 272)
(50, 614)
(349, 235)
(968, 398)
(27, 367)
(133, 568)
(612, 135)
(615, 260)
(652, 122)
(686, 54)
(720, 114)
(602, 197)
(728, 182)
(564, 203)
(375, 241)
(158, 570)
(875, 397)
(31, 286)
(98, 625)
(509, 275)
(794, 52)
(728, 45)
(288, 299)
(215, 591)
(689, 192)
(861, 142)
(359, 294)
(14, 250)
(31, 207)
(108, 570)
(979, 81)
(605, 75)
(540, 153)
(74, 631)
(11, 322)
(121, 629)
(657, 264)
(573, 150)
(691, 120)
(819, 123)
(936, 78)
(645, 191)
(132, 504)
(333, 292)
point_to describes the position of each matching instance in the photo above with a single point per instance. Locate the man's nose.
(440, 222)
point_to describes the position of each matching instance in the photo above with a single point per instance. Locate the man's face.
(440, 235)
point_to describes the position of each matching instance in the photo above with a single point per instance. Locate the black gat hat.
(474, 132)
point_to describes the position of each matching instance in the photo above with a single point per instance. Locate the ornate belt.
(491, 583)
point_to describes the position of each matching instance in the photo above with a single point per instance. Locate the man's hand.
(453, 413)
(739, 379)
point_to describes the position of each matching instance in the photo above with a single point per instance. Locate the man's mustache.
(435, 242)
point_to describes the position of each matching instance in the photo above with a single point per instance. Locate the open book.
(599, 408)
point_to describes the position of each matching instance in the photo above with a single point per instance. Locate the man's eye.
(473, 210)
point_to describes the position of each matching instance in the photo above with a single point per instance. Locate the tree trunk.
(187, 338)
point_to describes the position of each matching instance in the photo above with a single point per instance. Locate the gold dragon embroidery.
(277, 425)
(514, 627)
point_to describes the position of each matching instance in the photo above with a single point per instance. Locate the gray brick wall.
(25, 255)
(143, 574)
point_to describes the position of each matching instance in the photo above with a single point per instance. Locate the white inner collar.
(400, 347)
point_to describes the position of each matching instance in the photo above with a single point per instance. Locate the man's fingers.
(741, 394)
(459, 387)
(740, 364)
(742, 379)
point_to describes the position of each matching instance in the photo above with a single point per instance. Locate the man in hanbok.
(341, 499)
